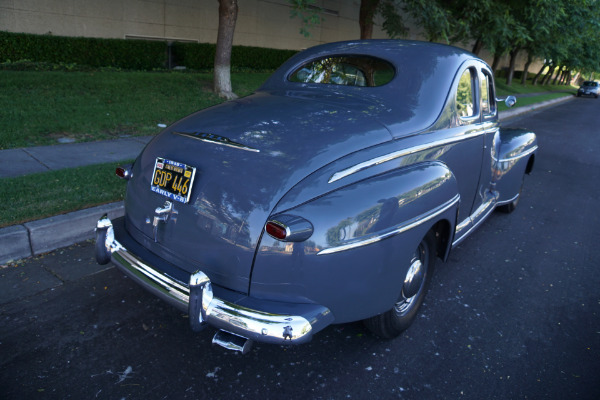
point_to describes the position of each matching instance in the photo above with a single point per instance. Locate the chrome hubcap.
(413, 282)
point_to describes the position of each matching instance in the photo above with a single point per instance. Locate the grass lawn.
(503, 89)
(51, 193)
(39, 107)
(525, 101)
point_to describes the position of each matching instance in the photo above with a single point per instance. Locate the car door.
(487, 196)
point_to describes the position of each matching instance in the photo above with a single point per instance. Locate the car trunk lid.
(247, 154)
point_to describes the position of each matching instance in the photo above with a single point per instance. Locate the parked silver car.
(589, 88)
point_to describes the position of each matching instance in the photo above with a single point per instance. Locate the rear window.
(345, 70)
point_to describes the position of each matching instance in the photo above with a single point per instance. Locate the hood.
(247, 153)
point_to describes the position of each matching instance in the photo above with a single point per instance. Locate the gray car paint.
(304, 134)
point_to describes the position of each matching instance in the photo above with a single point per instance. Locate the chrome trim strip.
(528, 152)
(216, 139)
(466, 222)
(472, 228)
(242, 321)
(501, 203)
(401, 153)
(402, 228)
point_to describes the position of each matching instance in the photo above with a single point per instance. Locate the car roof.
(414, 98)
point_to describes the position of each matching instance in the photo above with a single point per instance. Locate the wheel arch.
(444, 234)
(530, 164)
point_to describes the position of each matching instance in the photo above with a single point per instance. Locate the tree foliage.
(308, 13)
(563, 34)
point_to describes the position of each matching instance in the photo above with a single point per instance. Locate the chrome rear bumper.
(204, 308)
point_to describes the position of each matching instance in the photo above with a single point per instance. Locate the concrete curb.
(37, 237)
(503, 115)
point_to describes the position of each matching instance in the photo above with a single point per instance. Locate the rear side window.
(345, 70)
(488, 101)
(465, 102)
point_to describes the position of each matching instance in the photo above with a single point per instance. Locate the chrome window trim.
(421, 219)
(401, 153)
(528, 152)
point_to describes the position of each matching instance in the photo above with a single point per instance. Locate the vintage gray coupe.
(323, 198)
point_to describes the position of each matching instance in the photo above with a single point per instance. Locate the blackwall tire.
(102, 255)
(395, 321)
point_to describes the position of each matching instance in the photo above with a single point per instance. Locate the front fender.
(364, 235)
(514, 158)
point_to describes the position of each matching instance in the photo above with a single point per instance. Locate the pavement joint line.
(35, 158)
(49, 234)
(28, 240)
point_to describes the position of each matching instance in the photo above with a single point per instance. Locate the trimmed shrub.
(118, 53)
(194, 55)
(258, 57)
(130, 54)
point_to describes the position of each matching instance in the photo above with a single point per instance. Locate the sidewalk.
(37, 237)
(30, 160)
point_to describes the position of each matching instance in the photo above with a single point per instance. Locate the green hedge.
(202, 56)
(127, 54)
(130, 54)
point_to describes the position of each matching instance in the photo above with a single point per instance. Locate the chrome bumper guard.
(197, 297)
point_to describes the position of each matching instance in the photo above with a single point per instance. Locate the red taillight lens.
(120, 172)
(123, 172)
(276, 230)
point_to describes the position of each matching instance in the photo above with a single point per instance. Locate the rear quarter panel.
(361, 281)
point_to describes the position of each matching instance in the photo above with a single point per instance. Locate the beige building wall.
(262, 23)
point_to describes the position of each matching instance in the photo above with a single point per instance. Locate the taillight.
(276, 230)
(289, 228)
(123, 172)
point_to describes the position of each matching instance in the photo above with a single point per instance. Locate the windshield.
(590, 83)
(345, 70)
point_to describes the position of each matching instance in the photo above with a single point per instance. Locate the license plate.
(173, 179)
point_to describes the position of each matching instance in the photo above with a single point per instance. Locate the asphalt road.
(514, 314)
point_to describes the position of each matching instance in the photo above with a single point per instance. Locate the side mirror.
(509, 101)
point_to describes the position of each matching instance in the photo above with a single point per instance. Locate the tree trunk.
(575, 78)
(368, 8)
(568, 78)
(477, 46)
(535, 80)
(511, 66)
(228, 10)
(549, 75)
(526, 69)
(563, 76)
(558, 75)
(496, 62)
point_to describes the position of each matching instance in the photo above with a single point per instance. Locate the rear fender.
(364, 236)
(515, 157)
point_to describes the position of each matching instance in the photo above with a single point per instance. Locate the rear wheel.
(393, 322)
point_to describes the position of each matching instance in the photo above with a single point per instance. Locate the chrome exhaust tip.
(232, 342)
